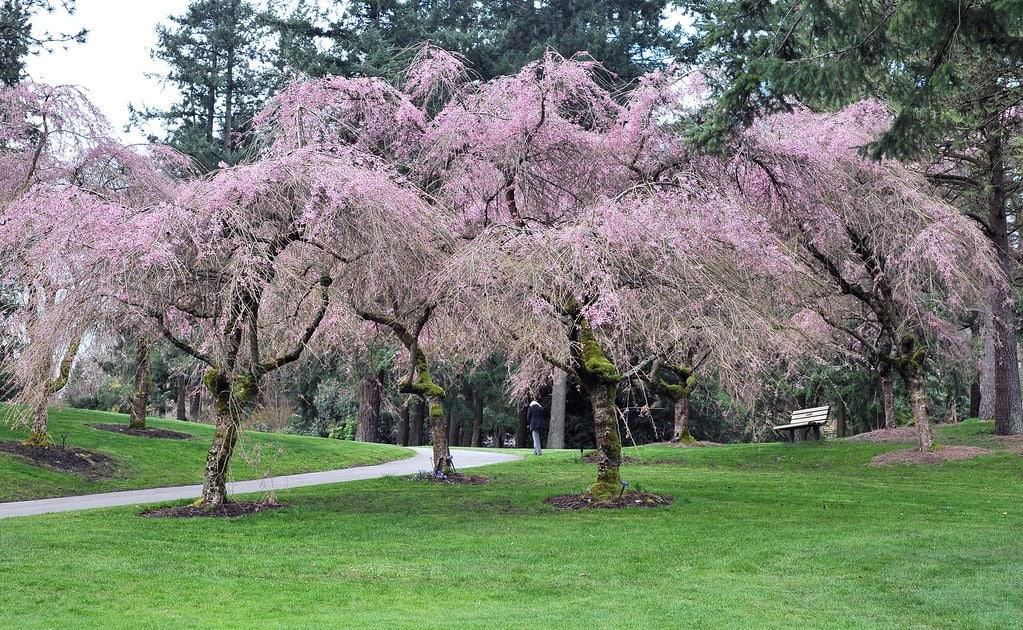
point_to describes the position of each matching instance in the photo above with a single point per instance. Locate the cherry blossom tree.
(244, 270)
(888, 266)
(393, 289)
(595, 234)
(68, 189)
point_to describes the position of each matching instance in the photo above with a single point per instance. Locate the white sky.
(113, 62)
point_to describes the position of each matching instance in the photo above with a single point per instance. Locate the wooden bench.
(807, 422)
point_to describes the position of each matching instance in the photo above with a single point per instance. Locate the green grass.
(761, 536)
(148, 462)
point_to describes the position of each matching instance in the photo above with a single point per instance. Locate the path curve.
(423, 460)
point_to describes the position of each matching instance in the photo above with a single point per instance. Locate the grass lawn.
(761, 536)
(147, 462)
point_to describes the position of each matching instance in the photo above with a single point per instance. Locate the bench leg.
(817, 433)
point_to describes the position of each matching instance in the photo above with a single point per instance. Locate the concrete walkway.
(423, 460)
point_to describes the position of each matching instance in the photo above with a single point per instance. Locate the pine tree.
(17, 41)
(627, 37)
(217, 53)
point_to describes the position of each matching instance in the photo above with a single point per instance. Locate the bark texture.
(559, 395)
(403, 424)
(369, 407)
(39, 434)
(888, 397)
(182, 397)
(416, 426)
(681, 434)
(1008, 408)
(228, 396)
(599, 379)
(142, 382)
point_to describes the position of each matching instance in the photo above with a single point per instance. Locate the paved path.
(421, 461)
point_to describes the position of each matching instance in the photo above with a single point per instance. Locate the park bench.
(807, 422)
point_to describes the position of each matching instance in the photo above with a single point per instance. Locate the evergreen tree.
(627, 37)
(217, 53)
(952, 73)
(17, 40)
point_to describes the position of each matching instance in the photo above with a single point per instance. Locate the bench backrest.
(813, 414)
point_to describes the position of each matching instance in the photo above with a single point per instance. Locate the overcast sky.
(113, 62)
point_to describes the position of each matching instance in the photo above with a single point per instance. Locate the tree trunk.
(416, 428)
(918, 402)
(214, 486)
(975, 398)
(599, 379)
(441, 453)
(522, 429)
(195, 405)
(225, 437)
(369, 407)
(986, 366)
(609, 444)
(559, 394)
(452, 427)
(1008, 407)
(39, 434)
(140, 395)
(887, 397)
(182, 397)
(403, 425)
(477, 420)
(498, 437)
(681, 434)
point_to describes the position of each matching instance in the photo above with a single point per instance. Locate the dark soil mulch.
(452, 478)
(79, 461)
(886, 436)
(627, 500)
(147, 432)
(230, 509)
(942, 454)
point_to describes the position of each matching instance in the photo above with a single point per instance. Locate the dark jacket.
(537, 418)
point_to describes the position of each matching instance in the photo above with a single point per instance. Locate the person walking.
(537, 422)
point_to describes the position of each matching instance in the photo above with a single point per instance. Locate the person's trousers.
(536, 443)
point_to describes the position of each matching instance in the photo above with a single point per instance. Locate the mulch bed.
(147, 432)
(79, 461)
(886, 436)
(231, 509)
(628, 500)
(942, 454)
(452, 478)
(1011, 443)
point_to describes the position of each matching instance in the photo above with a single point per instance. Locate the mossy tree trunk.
(39, 434)
(229, 395)
(599, 380)
(442, 461)
(681, 434)
(140, 394)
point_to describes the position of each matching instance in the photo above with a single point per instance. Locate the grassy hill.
(760, 536)
(147, 462)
